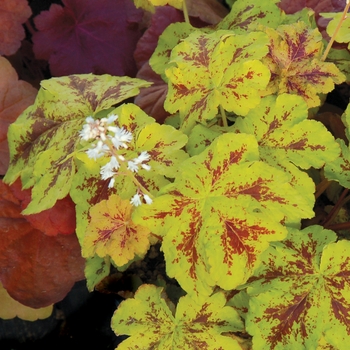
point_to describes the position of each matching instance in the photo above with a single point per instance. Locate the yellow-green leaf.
(249, 15)
(212, 70)
(10, 308)
(300, 294)
(44, 139)
(197, 324)
(220, 213)
(295, 63)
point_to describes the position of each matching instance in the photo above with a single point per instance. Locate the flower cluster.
(111, 140)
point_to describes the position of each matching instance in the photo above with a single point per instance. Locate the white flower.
(108, 170)
(121, 137)
(133, 166)
(97, 151)
(147, 199)
(90, 119)
(112, 118)
(93, 129)
(136, 200)
(111, 183)
(146, 167)
(143, 157)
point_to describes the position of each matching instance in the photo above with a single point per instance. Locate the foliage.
(12, 14)
(70, 37)
(28, 252)
(196, 324)
(232, 184)
(15, 98)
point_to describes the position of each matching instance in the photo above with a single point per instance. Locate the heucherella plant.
(225, 186)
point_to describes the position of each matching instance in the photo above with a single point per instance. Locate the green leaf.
(171, 36)
(197, 324)
(343, 35)
(44, 139)
(294, 60)
(202, 136)
(163, 143)
(249, 15)
(216, 69)
(220, 213)
(285, 134)
(301, 292)
(341, 58)
(111, 232)
(96, 269)
(339, 168)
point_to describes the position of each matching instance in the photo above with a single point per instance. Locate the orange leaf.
(12, 14)
(16, 96)
(35, 269)
(111, 232)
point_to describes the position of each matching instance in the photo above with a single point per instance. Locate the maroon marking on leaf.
(297, 49)
(234, 158)
(189, 241)
(202, 57)
(299, 145)
(259, 190)
(288, 316)
(233, 242)
(341, 313)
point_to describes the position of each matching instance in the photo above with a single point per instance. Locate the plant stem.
(333, 213)
(339, 226)
(223, 116)
(321, 187)
(345, 12)
(185, 11)
(125, 171)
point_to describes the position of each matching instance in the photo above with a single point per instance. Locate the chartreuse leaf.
(149, 5)
(202, 136)
(44, 139)
(163, 143)
(11, 308)
(300, 294)
(87, 190)
(197, 324)
(220, 213)
(249, 15)
(111, 232)
(285, 134)
(294, 60)
(171, 36)
(339, 168)
(343, 34)
(212, 70)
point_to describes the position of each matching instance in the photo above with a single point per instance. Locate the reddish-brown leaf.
(12, 14)
(35, 269)
(317, 6)
(58, 219)
(16, 96)
(151, 99)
